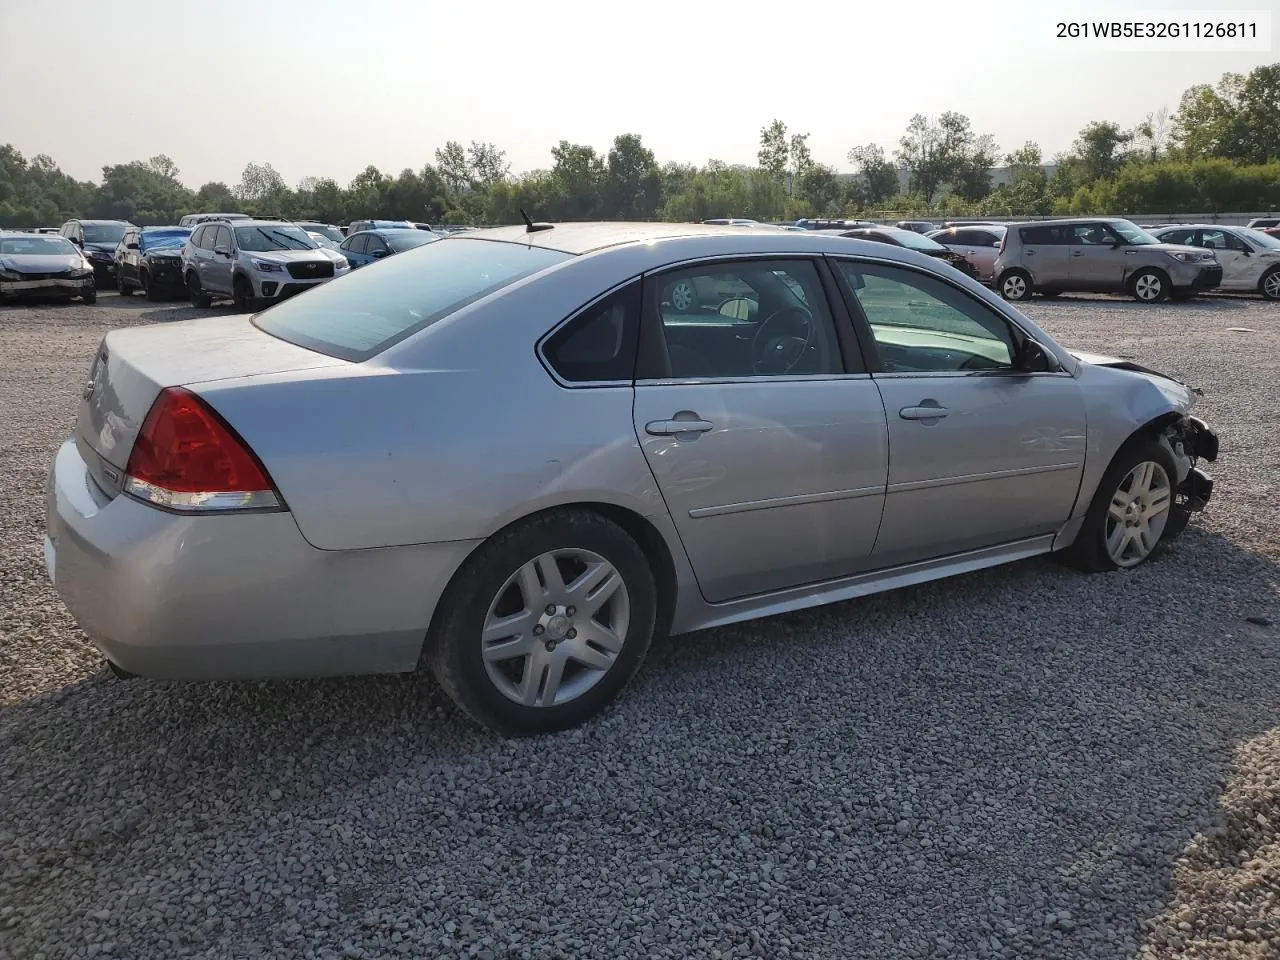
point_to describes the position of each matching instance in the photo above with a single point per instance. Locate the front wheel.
(1016, 285)
(1149, 286)
(242, 295)
(544, 624)
(148, 288)
(1269, 285)
(1130, 511)
(90, 297)
(198, 297)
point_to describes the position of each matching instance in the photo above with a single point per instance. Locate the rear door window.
(1042, 236)
(371, 310)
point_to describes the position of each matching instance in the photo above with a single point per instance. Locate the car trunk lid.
(133, 365)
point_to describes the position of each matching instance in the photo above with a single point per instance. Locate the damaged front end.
(1190, 440)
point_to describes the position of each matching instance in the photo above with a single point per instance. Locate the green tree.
(774, 155)
(879, 176)
(454, 168)
(577, 181)
(1099, 148)
(633, 182)
(487, 163)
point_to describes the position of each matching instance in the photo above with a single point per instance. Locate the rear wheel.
(545, 623)
(126, 288)
(1269, 285)
(1015, 285)
(198, 297)
(1130, 511)
(90, 296)
(1149, 285)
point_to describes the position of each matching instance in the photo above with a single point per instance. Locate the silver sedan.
(516, 455)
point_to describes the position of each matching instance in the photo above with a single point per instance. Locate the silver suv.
(1104, 255)
(253, 262)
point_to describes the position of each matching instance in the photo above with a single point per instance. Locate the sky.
(326, 87)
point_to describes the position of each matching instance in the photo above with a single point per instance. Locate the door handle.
(923, 413)
(1030, 253)
(670, 428)
(1077, 253)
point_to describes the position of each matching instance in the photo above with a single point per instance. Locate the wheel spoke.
(1142, 478)
(509, 649)
(1119, 503)
(1117, 539)
(550, 570)
(535, 667)
(590, 656)
(504, 628)
(600, 636)
(1144, 539)
(1158, 503)
(594, 587)
(551, 683)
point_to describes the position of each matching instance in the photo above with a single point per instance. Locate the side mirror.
(77, 241)
(856, 281)
(1116, 244)
(222, 250)
(1034, 357)
(739, 308)
(132, 246)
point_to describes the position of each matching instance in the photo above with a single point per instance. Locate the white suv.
(253, 262)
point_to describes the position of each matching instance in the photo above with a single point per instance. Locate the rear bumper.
(232, 597)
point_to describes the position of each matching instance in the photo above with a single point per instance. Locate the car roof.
(174, 227)
(1198, 226)
(125, 222)
(578, 238)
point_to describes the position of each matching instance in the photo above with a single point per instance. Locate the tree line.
(1218, 152)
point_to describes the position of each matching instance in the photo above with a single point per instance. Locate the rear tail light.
(187, 458)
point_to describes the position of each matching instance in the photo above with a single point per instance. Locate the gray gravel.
(1024, 762)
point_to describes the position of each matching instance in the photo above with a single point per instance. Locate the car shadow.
(1213, 302)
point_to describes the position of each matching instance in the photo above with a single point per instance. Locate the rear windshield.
(362, 314)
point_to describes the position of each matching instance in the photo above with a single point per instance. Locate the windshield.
(916, 241)
(155, 240)
(269, 237)
(372, 309)
(321, 240)
(1264, 240)
(400, 242)
(1131, 233)
(103, 232)
(36, 246)
(325, 230)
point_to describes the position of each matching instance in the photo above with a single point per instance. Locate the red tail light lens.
(187, 458)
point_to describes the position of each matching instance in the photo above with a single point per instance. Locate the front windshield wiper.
(292, 239)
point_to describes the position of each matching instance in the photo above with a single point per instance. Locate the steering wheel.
(781, 341)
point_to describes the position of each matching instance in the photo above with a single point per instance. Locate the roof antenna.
(531, 227)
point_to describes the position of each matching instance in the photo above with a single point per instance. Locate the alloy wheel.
(1138, 513)
(1015, 287)
(1271, 285)
(555, 628)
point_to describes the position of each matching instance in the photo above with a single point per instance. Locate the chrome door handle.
(923, 413)
(1030, 253)
(670, 428)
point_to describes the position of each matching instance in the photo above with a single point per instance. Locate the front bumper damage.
(1191, 440)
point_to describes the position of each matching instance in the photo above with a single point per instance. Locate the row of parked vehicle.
(208, 256)
(1093, 255)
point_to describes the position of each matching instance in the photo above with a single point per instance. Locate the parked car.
(324, 229)
(812, 224)
(732, 222)
(194, 219)
(370, 245)
(34, 264)
(979, 244)
(334, 250)
(1106, 255)
(98, 240)
(1250, 259)
(150, 259)
(253, 262)
(358, 226)
(1262, 223)
(314, 490)
(423, 226)
(913, 241)
(917, 226)
(948, 224)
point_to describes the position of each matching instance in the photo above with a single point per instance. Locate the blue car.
(370, 245)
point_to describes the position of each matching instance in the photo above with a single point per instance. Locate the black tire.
(126, 290)
(147, 288)
(453, 648)
(242, 295)
(198, 297)
(1153, 280)
(1015, 285)
(1269, 284)
(1089, 552)
(90, 298)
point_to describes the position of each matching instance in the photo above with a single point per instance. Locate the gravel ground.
(1024, 762)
